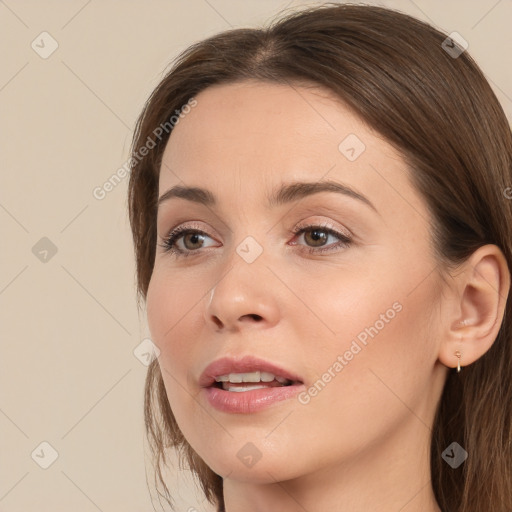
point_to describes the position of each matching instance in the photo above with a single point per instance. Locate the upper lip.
(227, 365)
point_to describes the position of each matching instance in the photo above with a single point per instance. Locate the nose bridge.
(242, 292)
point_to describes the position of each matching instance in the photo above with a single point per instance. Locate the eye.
(317, 236)
(191, 240)
(185, 240)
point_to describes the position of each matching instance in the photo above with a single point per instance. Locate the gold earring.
(458, 361)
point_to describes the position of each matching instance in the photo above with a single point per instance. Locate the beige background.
(69, 324)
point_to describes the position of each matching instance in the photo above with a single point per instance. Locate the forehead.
(251, 118)
(242, 140)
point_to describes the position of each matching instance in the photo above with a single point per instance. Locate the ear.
(478, 301)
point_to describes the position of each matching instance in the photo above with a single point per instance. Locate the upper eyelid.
(316, 208)
(331, 224)
(181, 230)
(328, 225)
(184, 227)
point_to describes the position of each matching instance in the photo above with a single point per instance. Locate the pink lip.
(246, 401)
(226, 365)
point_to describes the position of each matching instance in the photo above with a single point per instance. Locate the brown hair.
(439, 111)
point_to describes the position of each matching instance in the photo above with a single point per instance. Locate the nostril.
(255, 317)
(217, 321)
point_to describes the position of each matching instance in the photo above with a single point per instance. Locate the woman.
(323, 246)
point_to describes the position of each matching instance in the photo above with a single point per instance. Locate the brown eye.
(191, 239)
(185, 241)
(315, 237)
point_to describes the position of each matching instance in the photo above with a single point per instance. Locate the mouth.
(242, 382)
(247, 385)
(246, 373)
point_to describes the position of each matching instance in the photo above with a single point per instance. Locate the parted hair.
(403, 78)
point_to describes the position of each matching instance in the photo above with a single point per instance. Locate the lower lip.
(246, 402)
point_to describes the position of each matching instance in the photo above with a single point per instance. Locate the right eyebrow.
(195, 194)
(286, 193)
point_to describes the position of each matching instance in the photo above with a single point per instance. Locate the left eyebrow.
(295, 191)
(286, 193)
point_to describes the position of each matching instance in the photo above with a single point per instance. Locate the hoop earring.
(458, 361)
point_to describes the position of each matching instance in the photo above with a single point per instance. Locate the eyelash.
(169, 243)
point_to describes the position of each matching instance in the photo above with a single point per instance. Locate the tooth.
(251, 377)
(238, 389)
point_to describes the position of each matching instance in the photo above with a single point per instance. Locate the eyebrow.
(287, 193)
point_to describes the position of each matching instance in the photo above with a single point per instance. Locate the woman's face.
(355, 322)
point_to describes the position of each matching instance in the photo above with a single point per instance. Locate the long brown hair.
(438, 110)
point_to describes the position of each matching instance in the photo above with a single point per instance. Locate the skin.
(363, 442)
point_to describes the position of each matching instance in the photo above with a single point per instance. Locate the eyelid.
(178, 231)
(328, 224)
(193, 224)
(344, 240)
(345, 237)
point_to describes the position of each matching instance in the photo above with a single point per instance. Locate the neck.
(389, 478)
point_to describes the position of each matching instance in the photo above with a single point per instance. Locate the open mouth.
(241, 382)
(248, 385)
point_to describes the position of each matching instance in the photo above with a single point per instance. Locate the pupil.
(194, 238)
(318, 236)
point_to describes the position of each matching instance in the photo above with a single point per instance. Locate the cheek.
(170, 304)
(384, 369)
(170, 308)
(157, 304)
(377, 320)
(384, 350)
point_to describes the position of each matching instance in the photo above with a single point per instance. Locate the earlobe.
(482, 289)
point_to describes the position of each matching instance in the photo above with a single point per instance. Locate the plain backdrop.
(73, 78)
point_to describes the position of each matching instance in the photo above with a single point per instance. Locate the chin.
(247, 465)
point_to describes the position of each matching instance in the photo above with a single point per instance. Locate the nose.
(244, 297)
